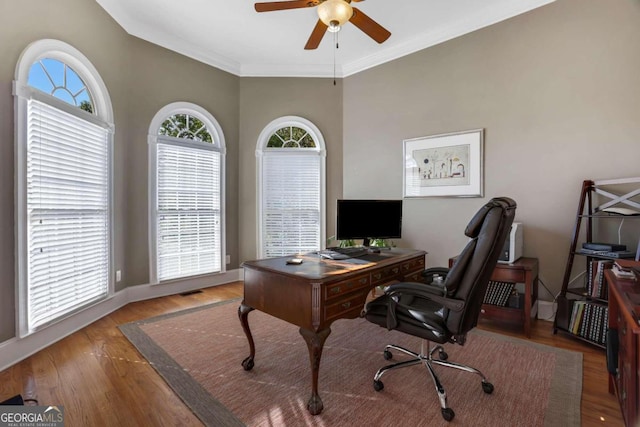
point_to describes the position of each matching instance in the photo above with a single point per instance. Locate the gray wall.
(557, 91)
(141, 78)
(265, 99)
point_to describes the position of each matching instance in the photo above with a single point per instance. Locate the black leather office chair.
(444, 312)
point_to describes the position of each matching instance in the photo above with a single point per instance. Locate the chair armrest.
(443, 271)
(429, 274)
(429, 292)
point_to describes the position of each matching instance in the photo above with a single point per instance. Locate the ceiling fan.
(333, 14)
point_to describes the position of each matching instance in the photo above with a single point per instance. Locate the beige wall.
(141, 78)
(557, 91)
(265, 99)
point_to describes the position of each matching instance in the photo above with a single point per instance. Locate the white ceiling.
(232, 36)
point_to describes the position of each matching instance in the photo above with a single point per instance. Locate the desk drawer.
(337, 289)
(413, 277)
(508, 275)
(386, 274)
(352, 305)
(416, 264)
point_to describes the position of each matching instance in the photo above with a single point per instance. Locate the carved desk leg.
(243, 314)
(315, 342)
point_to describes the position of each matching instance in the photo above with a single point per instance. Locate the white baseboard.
(16, 349)
(547, 310)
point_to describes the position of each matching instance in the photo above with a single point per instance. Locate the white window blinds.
(291, 203)
(188, 210)
(68, 213)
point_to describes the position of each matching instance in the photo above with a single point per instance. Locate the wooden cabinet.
(523, 270)
(623, 345)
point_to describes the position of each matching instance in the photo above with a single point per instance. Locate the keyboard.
(343, 253)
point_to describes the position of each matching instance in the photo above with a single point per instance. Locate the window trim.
(262, 150)
(103, 117)
(218, 145)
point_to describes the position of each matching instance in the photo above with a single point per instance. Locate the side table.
(524, 270)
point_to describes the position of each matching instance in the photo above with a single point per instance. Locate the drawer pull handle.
(395, 270)
(346, 305)
(335, 290)
(363, 281)
(377, 276)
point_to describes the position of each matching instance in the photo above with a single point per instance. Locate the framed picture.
(448, 165)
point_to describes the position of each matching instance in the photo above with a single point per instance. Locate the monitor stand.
(371, 249)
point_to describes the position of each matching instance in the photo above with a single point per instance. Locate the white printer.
(513, 246)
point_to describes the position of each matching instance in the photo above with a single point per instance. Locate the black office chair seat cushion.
(414, 316)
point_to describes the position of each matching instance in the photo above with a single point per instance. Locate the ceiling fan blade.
(369, 26)
(316, 35)
(283, 5)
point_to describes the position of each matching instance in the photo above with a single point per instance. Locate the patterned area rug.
(198, 352)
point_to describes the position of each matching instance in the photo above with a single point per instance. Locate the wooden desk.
(314, 294)
(524, 270)
(624, 317)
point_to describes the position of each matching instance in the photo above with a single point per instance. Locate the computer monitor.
(369, 219)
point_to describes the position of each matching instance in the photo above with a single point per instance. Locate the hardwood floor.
(102, 380)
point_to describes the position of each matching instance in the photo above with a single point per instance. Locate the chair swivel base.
(426, 356)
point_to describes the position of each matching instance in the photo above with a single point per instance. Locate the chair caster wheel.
(443, 355)
(448, 414)
(387, 355)
(487, 387)
(377, 385)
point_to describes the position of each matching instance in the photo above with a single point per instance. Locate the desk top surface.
(315, 267)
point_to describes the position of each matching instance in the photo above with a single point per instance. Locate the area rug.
(199, 353)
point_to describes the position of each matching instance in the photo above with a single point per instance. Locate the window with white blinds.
(188, 209)
(291, 204)
(291, 163)
(67, 213)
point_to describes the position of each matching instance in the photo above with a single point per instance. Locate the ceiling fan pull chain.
(335, 39)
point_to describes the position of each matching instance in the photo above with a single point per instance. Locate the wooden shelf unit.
(610, 196)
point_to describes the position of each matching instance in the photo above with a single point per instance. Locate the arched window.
(64, 128)
(291, 188)
(186, 154)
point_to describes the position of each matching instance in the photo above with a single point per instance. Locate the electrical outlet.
(227, 259)
(118, 275)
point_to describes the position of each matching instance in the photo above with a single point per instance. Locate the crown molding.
(488, 15)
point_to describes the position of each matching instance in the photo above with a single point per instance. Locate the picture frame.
(445, 165)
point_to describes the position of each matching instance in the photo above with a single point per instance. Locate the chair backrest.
(469, 276)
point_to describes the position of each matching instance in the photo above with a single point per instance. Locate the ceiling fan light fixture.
(334, 27)
(334, 13)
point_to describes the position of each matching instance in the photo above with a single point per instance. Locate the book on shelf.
(596, 285)
(589, 320)
(498, 293)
